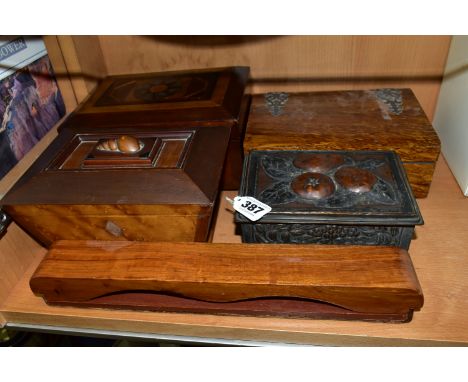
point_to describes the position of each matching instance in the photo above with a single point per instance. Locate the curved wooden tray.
(286, 280)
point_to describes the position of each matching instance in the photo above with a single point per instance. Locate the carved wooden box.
(207, 97)
(381, 119)
(329, 197)
(129, 183)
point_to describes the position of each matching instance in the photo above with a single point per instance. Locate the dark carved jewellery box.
(331, 197)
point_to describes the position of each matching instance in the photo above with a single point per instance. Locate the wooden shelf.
(439, 254)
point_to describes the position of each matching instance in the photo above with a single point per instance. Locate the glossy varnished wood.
(366, 280)
(115, 202)
(48, 223)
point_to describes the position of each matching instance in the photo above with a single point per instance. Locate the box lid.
(144, 166)
(380, 119)
(207, 94)
(343, 187)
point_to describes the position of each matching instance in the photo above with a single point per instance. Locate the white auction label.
(251, 208)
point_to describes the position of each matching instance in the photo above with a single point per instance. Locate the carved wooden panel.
(327, 234)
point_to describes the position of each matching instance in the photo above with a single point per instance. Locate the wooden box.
(205, 97)
(130, 183)
(180, 96)
(329, 197)
(382, 119)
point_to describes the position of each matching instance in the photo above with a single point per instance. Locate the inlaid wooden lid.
(358, 187)
(190, 95)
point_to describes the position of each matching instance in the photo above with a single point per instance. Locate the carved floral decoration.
(326, 180)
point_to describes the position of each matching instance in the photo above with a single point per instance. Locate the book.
(30, 100)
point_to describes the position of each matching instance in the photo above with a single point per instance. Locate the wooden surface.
(439, 254)
(348, 120)
(294, 63)
(83, 63)
(60, 70)
(48, 223)
(18, 249)
(362, 279)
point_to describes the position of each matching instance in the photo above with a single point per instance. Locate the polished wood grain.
(53, 203)
(420, 177)
(362, 279)
(294, 63)
(347, 120)
(48, 223)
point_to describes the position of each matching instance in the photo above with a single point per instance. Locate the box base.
(260, 307)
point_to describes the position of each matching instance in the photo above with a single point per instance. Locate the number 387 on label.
(250, 207)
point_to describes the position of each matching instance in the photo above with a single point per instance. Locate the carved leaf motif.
(370, 164)
(383, 192)
(277, 193)
(277, 167)
(325, 234)
(347, 162)
(340, 199)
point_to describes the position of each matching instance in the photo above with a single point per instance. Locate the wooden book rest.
(309, 281)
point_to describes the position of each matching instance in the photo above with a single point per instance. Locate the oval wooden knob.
(128, 144)
(355, 179)
(125, 144)
(312, 185)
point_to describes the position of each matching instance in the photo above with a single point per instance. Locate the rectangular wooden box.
(89, 184)
(177, 96)
(381, 119)
(329, 197)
